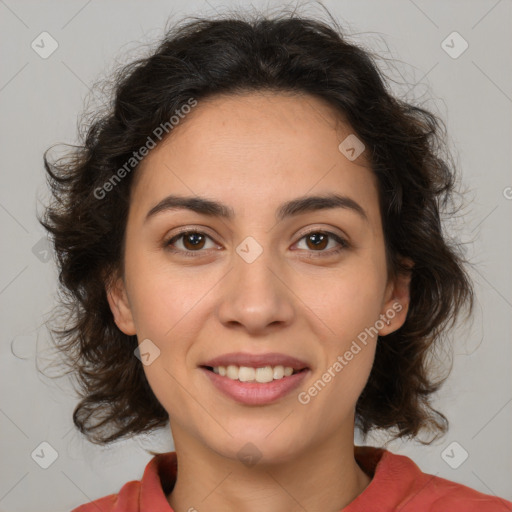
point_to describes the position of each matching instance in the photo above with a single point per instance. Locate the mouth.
(262, 375)
(255, 386)
(255, 379)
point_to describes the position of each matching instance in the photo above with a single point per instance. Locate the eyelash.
(343, 244)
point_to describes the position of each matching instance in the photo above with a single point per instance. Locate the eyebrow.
(290, 208)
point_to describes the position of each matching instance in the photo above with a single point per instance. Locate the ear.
(119, 305)
(396, 301)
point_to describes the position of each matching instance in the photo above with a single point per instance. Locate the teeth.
(278, 372)
(245, 374)
(248, 374)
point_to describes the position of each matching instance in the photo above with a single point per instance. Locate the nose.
(255, 296)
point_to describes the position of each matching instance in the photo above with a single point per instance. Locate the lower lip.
(256, 393)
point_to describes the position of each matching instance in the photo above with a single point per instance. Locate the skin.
(253, 152)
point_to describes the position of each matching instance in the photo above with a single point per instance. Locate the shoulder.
(442, 494)
(436, 494)
(143, 495)
(399, 484)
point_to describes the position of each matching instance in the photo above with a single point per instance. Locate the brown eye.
(317, 241)
(191, 241)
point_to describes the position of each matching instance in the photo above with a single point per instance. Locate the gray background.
(39, 103)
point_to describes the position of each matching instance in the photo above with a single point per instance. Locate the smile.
(255, 386)
(250, 374)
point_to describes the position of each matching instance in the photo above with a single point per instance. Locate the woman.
(252, 248)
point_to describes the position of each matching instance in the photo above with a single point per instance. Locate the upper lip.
(256, 360)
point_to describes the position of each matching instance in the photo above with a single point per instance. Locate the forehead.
(254, 148)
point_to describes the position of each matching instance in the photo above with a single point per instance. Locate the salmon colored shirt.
(397, 484)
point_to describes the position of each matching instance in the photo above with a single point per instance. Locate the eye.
(318, 240)
(192, 241)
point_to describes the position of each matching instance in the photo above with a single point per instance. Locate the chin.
(265, 443)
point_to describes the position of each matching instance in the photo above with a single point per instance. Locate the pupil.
(194, 239)
(321, 238)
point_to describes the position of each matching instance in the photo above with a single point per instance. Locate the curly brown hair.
(206, 57)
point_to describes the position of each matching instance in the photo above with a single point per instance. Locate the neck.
(208, 482)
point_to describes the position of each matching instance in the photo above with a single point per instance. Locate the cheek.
(166, 310)
(346, 302)
(163, 304)
(347, 309)
(162, 295)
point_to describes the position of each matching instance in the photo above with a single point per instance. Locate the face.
(306, 283)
